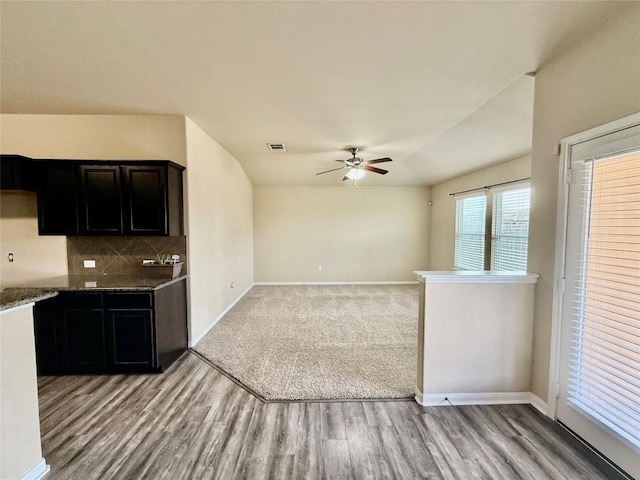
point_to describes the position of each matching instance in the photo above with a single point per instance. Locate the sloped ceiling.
(441, 87)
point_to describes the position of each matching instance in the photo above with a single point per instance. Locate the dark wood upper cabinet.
(58, 207)
(110, 198)
(101, 200)
(153, 199)
(16, 173)
(145, 200)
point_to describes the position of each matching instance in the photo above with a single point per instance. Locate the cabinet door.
(146, 200)
(130, 341)
(8, 166)
(44, 321)
(81, 341)
(58, 198)
(102, 203)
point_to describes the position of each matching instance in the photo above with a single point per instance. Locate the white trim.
(20, 307)
(38, 471)
(561, 238)
(558, 269)
(539, 404)
(489, 398)
(602, 130)
(403, 282)
(194, 342)
(480, 276)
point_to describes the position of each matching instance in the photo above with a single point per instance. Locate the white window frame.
(560, 251)
(475, 194)
(488, 225)
(525, 184)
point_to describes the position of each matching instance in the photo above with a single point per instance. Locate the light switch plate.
(89, 264)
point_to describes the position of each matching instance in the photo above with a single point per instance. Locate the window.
(510, 230)
(604, 373)
(470, 226)
(506, 211)
(597, 296)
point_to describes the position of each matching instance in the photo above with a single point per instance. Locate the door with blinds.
(599, 371)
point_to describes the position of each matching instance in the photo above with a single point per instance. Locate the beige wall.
(443, 210)
(34, 256)
(595, 82)
(95, 137)
(219, 228)
(218, 198)
(20, 447)
(355, 234)
(494, 353)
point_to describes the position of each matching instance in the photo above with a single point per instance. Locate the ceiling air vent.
(276, 147)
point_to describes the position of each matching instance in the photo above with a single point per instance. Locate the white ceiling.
(438, 86)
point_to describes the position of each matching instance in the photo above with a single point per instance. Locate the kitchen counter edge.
(39, 290)
(15, 297)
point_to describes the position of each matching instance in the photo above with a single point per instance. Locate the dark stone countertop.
(16, 297)
(102, 282)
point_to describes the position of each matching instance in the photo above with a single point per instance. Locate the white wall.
(20, 447)
(355, 234)
(443, 210)
(95, 137)
(219, 228)
(595, 82)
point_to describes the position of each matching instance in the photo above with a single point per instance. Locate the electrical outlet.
(89, 264)
(319, 268)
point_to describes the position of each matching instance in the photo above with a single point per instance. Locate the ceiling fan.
(358, 167)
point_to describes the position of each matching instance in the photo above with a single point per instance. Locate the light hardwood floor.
(194, 423)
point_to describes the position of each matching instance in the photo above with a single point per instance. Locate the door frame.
(561, 243)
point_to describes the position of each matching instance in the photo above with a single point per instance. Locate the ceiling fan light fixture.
(356, 174)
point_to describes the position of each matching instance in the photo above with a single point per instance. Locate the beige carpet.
(310, 342)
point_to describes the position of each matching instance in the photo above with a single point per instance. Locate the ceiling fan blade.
(332, 170)
(375, 170)
(378, 160)
(345, 178)
(341, 161)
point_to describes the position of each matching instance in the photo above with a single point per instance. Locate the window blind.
(604, 371)
(470, 229)
(510, 229)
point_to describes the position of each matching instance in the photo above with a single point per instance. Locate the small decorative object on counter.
(163, 259)
(164, 263)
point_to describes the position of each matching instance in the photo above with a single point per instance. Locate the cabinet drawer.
(128, 300)
(77, 300)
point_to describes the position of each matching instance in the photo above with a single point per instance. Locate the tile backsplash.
(120, 255)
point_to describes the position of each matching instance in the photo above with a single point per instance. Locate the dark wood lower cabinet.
(82, 346)
(111, 332)
(130, 335)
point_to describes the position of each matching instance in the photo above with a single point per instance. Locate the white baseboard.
(37, 472)
(539, 404)
(490, 398)
(403, 282)
(194, 342)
